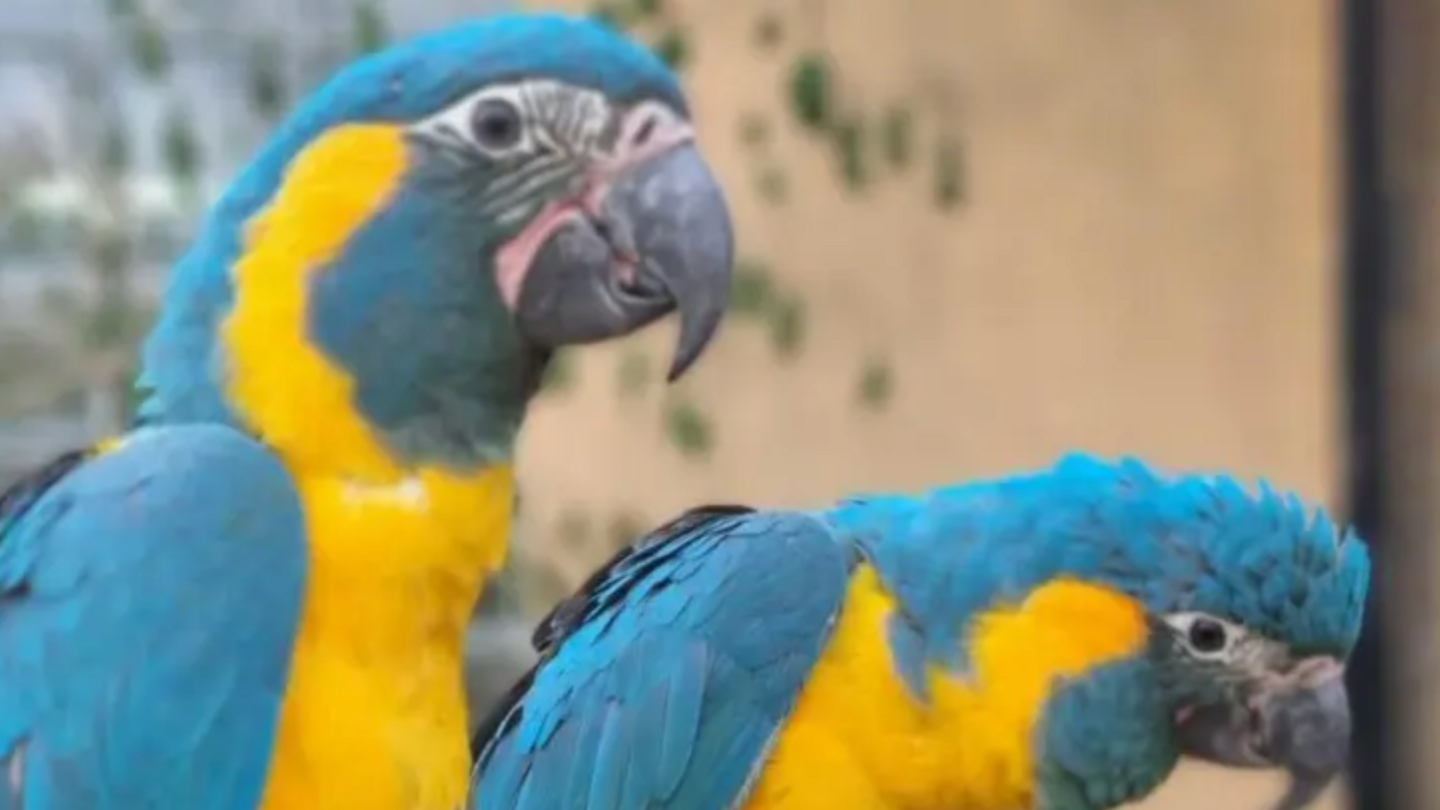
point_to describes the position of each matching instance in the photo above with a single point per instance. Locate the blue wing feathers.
(626, 569)
(602, 590)
(665, 678)
(145, 635)
(20, 496)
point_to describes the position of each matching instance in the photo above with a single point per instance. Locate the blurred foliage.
(575, 529)
(864, 143)
(114, 146)
(898, 135)
(772, 185)
(949, 174)
(560, 373)
(93, 354)
(853, 153)
(371, 30)
(181, 147)
(150, 48)
(769, 32)
(754, 130)
(689, 429)
(812, 92)
(634, 372)
(673, 46)
(753, 291)
(625, 527)
(266, 80)
(876, 384)
(787, 326)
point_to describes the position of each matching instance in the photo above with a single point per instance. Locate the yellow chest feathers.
(857, 739)
(374, 716)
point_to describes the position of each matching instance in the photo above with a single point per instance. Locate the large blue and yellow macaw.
(1055, 640)
(257, 598)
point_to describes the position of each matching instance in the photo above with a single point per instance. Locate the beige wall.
(1146, 265)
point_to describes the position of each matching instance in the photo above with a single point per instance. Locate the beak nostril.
(643, 134)
(622, 250)
(602, 229)
(1255, 727)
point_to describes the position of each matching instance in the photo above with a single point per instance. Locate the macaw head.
(1255, 604)
(388, 278)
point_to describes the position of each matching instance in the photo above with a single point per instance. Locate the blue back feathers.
(403, 83)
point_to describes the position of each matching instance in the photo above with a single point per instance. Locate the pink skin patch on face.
(647, 130)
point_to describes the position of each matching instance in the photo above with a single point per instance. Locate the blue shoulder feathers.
(149, 599)
(17, 500)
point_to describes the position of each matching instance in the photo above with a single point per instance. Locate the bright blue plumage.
(144, 642)
(738, 608)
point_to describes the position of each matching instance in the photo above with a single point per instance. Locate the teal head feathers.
(396, 266)
(1256, 602)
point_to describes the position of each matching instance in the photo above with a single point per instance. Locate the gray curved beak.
(1299, 721)
(663, 242)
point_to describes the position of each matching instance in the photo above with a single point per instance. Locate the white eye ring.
(537, 116)
(455, 125)
(1205, 636)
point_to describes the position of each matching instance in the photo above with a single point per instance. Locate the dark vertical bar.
(1366, 288)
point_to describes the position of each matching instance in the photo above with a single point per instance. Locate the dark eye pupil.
(497, 128)
(497, 125)
(1207, 635)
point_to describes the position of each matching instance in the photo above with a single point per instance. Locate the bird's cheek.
(1298, 720)
(515, 259)
(1222, 733)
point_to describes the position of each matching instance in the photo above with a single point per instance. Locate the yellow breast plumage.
(375, 717)
(858, 740)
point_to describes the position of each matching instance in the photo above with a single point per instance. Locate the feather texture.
(148, 603)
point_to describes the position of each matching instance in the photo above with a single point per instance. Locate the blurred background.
(975, 235)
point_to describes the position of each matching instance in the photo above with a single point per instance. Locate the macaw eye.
(496, 124)
(1207, 635)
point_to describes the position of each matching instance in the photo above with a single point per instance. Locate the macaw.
(256, 599)
(1052, 640)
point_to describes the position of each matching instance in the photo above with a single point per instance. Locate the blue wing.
(149, 599)
(664, 679)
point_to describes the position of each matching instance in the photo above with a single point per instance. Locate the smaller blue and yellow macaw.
(258, 598)
(1056, 640)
